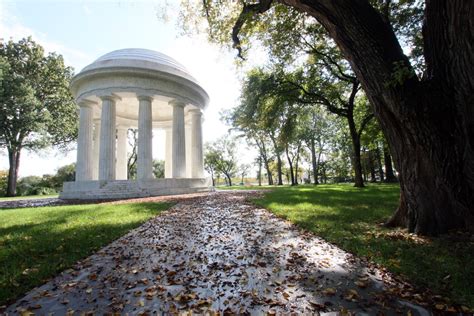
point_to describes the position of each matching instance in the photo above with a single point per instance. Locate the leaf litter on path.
(218, 253)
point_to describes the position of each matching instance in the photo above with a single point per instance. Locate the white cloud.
(86, 10)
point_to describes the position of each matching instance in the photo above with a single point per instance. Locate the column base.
(127, 189)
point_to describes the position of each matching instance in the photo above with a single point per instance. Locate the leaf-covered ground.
(38, 242)
(218, 252)
(350, 218)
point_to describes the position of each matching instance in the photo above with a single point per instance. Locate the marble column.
(178, 152)
(145, 137)
(107, 138)
(168, 149)
(84, 166)
(95, 155)
(187, 132)
(197, 160)
(121, 164)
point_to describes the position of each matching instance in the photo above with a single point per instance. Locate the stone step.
(122, 189)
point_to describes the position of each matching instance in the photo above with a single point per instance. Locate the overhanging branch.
(248, 10)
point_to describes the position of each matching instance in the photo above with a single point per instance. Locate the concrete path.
(17, 203)
(219, 253)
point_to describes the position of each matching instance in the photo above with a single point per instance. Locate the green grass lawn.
(37, 243)
(350, 218)
(27, 197)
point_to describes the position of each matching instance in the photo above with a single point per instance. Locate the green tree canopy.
(220, 157)
(36, 106)
(413, 59)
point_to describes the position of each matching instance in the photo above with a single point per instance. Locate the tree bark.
(429, 124)
(297, 160)
(14, 161)
(389, 174)
(356, 163)
(279, 171)
(324, 176)
(213, 180)
(263, 153)
(229, 180)
(260, 172)
(269, 173)
(314, 162)
(290, 163)
(279, 164)
(296, 171)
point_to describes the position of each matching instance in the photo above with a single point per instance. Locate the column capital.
(177, 103)
(195, 112)
(145, 97)
(110, 97)
(84, 103)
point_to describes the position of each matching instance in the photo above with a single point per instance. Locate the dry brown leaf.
(329, 291)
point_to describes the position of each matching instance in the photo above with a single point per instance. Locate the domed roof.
(140, 58)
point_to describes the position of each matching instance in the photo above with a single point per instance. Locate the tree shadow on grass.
(351, 219)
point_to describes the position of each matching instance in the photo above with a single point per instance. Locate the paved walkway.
(218, 253)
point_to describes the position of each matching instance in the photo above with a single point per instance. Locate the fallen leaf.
(329, 291)
(317, 305)
(137, 293)
(92, 276)
(440, 306)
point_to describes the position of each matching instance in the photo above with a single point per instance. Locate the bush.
(3, 182)
(43, 191)
(28, 185)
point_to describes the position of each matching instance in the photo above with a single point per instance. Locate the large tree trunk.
(278, 153)
(296, 170)
(260, 172)
(263, 152)
(279, 171)
(314, 162)
(14, 161)
(325, 177)
(389, 174)
(356, 163)
(429, 124)
(269, 173)
(229, 180)
(290, 163)
(297, 160)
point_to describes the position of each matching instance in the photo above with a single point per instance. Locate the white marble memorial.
(145, 90)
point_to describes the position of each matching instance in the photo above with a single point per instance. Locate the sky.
(82, 31)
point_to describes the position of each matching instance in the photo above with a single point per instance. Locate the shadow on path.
(218, 253)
